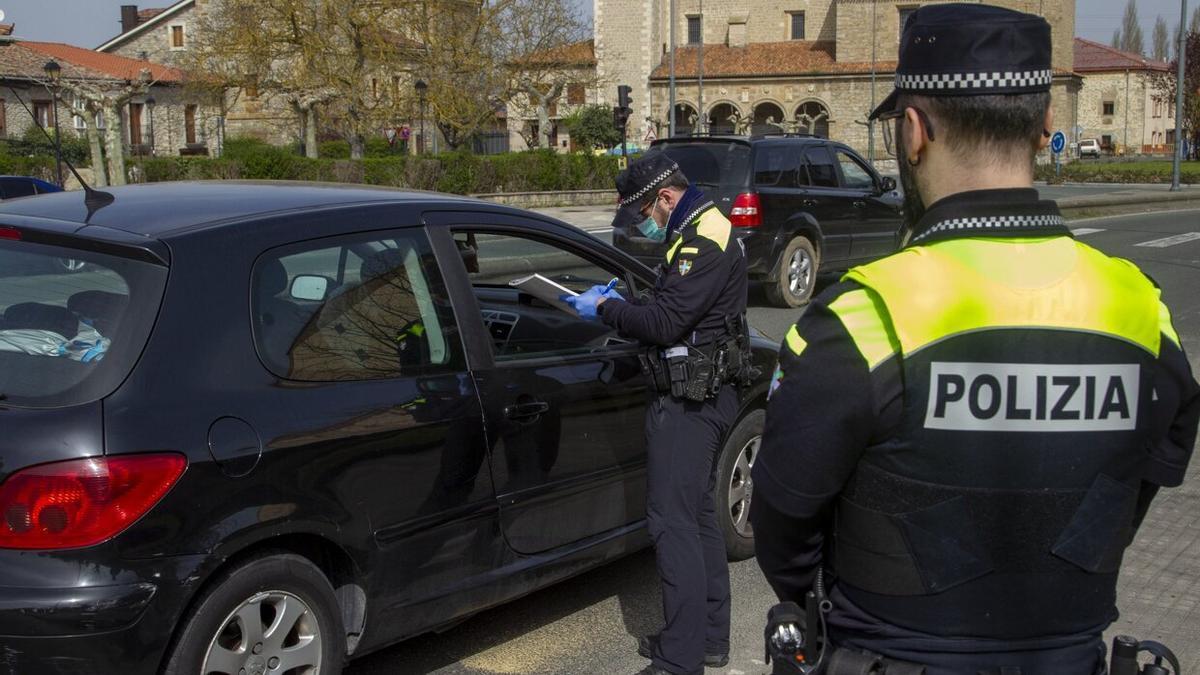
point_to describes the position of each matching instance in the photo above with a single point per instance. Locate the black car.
(270, 427)
(800, 204)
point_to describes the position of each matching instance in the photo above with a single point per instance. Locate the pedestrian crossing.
(1160, 242)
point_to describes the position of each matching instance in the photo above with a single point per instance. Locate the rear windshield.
(711, 164)
(72, 323)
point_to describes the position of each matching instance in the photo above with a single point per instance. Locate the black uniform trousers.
(683, 442)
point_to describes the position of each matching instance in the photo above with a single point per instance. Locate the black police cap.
(971, 50)
(637, 183)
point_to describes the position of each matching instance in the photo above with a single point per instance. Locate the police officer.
(967, 434)
(700, 290)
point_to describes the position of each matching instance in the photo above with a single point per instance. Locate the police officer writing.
(691, 325)
(966, 435)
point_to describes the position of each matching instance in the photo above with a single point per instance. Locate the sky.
(89, 23)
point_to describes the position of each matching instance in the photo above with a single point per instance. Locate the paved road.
(589, 625)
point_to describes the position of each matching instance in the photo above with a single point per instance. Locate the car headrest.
(102, 308)
(272, 278)
(36, 316)
(381, 263)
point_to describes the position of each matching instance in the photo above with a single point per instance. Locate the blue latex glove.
(584, 304)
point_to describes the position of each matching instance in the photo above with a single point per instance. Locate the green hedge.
(459, 173)
(1119, 172)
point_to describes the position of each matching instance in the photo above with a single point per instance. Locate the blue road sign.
(1058, 142)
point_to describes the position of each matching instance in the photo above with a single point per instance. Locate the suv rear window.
(72, 322)
(710, 163)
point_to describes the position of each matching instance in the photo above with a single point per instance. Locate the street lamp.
(421, 88)
(150, 102)
(54, 72)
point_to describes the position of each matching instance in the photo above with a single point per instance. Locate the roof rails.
(785, 134)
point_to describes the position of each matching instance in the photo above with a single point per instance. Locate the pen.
(611, 285)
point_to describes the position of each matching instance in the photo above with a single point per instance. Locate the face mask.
(650, 227)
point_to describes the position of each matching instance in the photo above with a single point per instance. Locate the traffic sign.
(650, 136)
(1058, 142)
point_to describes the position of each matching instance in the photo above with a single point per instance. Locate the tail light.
(10, 233)
(82, 502)
(746, 211)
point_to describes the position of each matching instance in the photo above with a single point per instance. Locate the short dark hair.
(675, 180)
(999, 127)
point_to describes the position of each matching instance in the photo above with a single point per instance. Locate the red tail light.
(10, 233)
(84, 501)
(746, 211)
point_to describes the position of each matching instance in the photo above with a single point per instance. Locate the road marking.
(1171, 241)
(1080, 231)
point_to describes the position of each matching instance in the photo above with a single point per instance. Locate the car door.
(877, 219)
(564, 399)
(825, 199)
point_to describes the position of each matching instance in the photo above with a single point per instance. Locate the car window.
(854, 174)
(821, 169)
(779, 166)
(17, 187)
(72, 322)
(359, 308)
(709, 163)
(521, 323)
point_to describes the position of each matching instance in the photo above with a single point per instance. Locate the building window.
(41, 113)
(176, 36)
(135, 123)
(1110, 108)
(797, 26)
(694, 37)
(189, 124)
(1106, 142)
(576, 94)
(903, 14)
(3, 121)
(1170, 137)
(374, 88)
(252, 86)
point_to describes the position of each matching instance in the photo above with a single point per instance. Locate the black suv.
(799, 203)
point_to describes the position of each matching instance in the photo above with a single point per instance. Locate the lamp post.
(421, 88)
(150, 102)
(1181, 55)
(54, 72)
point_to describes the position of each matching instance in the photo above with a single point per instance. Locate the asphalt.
(589, 624)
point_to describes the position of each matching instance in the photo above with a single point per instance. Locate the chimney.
(129, 18)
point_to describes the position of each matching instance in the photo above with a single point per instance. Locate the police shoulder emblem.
(685, 266)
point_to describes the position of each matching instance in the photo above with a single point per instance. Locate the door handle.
(526, 411)
(809, 202)
(860, 204)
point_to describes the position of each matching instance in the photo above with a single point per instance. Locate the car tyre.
(735, 486)
(275, 612)
(797, 274)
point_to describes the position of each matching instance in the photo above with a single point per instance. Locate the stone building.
(1119, 105)
(806, 65)
(574, 69)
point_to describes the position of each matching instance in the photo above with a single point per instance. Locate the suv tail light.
(746, 211)
(82, 502)
(10, 233)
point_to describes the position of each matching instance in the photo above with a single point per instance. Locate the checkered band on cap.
(996, 80)
(649, 186)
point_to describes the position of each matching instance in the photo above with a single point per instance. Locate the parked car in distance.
(12, 187)
(800, 205)
(1089, 147)
(270, 427)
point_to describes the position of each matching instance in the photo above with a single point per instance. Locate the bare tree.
(1194, 23)
(107, 98)
(1115, 43)
(1132, 38)
(1160, 39)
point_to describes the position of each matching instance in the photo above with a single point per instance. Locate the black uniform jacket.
(840, 401)
(700, 283)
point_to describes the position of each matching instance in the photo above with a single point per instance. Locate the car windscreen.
(711, 163)
(72, 322)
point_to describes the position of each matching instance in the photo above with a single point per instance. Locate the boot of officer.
(985, 415)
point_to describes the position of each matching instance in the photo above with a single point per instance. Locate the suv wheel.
(271, 614)
(735, 487)
(797, 276)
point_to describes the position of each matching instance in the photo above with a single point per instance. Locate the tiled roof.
(25, 59)
(582, 53)
(764, 59)
(1094, 57)
(146, 17)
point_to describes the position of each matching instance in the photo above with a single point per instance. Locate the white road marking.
(1080, 231)
(1171, 241)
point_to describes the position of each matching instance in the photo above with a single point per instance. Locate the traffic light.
(623, 109)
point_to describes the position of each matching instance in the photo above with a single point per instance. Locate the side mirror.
(887, 184)
(310, 287)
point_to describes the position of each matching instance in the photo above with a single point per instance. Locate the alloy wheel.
(271, 633)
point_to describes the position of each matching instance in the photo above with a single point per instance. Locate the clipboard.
(545, 290)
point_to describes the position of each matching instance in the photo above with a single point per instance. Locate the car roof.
(160, 209)
(734, 138)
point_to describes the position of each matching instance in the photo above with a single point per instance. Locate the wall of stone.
(156, 40)
(1128, 125)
